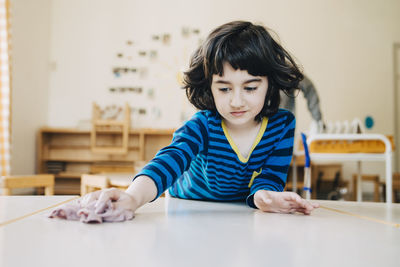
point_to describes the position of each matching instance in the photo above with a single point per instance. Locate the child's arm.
(266, 189)
(141, 191)
(282, 202)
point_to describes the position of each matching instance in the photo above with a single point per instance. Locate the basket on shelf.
(348, 146)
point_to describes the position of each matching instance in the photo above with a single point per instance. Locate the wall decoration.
(110, 112)
(155, 37)
(138, 71)
(155, 113)
(185, 32)
(369, 122)
(137, 89)
(166, 38)
(153, 54)
(123, 70)
(196, 31)
(150, 93)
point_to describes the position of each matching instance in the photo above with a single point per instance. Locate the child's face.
(239, 96)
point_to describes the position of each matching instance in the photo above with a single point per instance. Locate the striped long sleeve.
(273, 175)
(171, 161)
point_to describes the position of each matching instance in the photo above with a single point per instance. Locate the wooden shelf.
(69, 160)
(68, 150)
(145, 131)
(67, 175)
(84, 147)
(63, 130)
(86, 160)
(111, 150)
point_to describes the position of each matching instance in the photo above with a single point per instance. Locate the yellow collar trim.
(260, 134)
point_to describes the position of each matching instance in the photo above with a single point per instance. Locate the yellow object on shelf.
(348, 146)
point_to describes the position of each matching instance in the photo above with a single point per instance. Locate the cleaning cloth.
(85, 211)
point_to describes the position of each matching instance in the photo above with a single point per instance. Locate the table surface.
(174, 232)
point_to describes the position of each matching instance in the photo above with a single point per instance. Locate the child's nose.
(237, 99)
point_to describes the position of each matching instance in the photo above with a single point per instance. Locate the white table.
(18, 206)
(173, 232)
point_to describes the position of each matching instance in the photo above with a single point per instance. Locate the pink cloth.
(87, 213)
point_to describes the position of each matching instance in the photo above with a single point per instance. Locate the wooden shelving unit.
(67, 153)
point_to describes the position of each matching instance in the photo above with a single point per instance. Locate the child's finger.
(304, 211)
(291, 196)
(111, 193)
(315, 205)
(105, 195)
(88, 198)
(305, 204)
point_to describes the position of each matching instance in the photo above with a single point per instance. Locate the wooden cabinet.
(67, 153)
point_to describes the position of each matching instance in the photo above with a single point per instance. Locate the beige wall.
(30, 79)
(344, 46)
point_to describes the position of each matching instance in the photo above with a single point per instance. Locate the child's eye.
(224, 89)
(250, 88)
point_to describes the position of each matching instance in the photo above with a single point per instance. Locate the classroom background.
(66, 55)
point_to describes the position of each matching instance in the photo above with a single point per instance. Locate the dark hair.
(244, 46)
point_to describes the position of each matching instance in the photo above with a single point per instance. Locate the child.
(239, 145)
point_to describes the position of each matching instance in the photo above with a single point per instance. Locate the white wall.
(344, 46)
(30, 79)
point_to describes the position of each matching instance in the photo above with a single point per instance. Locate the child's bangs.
(239, 55)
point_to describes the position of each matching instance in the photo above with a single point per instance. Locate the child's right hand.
(282, 202)
(120, 199)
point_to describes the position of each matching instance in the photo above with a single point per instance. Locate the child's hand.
(120, 199)
(282, 202)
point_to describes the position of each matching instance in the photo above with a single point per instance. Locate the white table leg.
(294, 174)
(359, 193)
(388, 178)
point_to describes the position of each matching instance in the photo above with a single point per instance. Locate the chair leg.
(376, 190)
(6, 191)
(354, 188)
(49, 191)
(84, 189)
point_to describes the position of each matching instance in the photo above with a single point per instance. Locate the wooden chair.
(93, 182)
(367, 178)
(395, 187)
(26, 181)
(105, 176)
(118, 127)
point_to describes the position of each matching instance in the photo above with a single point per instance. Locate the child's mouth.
(238, 113)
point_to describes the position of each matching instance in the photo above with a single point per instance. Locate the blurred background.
(67, 54)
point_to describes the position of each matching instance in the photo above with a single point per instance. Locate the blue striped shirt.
(202, 162)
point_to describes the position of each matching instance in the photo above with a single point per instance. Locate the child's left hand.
(282, 202)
